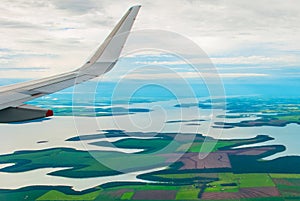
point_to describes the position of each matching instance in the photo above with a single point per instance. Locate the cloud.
(254, 60)
(7, 23)
(188, 75)
(24, 69)
(258, 32)
(76, 6)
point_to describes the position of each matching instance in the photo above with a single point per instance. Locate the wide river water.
(54, 132)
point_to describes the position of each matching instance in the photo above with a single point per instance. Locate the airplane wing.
(13, 97)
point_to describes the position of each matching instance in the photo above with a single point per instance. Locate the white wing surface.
(12, 97)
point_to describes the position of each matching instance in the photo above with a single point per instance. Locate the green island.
(268, 111)
(226, 173)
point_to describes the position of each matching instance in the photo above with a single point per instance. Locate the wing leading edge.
(12, 97)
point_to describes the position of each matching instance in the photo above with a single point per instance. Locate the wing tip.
(138, 5)
(135, 7)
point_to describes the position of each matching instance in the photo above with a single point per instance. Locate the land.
(224, 173)
(193, 167)
(267, 111)
(67, 106)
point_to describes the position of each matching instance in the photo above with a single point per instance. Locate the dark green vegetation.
(269, 111)
(78, 164)
(105, 134)
(70, 105)
(227, 173)
(98, 111)
(148, 145)
(185, 121)
(66, 106)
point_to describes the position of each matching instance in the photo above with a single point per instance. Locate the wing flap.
(5, 99)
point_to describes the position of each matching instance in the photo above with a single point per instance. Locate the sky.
(252, 41)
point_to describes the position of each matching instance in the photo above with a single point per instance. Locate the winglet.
(110, 49)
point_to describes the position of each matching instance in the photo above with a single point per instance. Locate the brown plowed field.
(155, 195)
(243, 193)
(212, 160)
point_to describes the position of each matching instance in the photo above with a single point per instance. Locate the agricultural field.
(227, 173)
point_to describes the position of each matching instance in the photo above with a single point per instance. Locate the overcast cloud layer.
(243, 38)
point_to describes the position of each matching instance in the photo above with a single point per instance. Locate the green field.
(240, 181)
(203, 147)
(285, 176)
(56, 195)
(187, 194)
(127, 196)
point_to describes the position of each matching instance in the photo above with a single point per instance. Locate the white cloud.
(188, 75)
(231, 32)
(283, 60)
